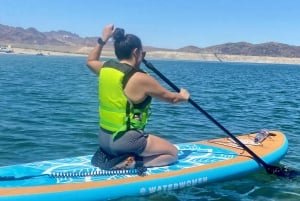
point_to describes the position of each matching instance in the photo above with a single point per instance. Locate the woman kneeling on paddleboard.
(125, 93)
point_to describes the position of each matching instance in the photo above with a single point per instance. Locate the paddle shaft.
(172, 85)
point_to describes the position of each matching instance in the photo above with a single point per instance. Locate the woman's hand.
(107, 32)
(184, 93)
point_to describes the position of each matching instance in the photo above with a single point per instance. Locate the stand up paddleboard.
(199, 163)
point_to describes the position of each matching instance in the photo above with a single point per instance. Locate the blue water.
(48, 110)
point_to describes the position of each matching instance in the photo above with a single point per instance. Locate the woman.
(125, 94)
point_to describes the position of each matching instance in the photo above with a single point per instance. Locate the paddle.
(270, 169)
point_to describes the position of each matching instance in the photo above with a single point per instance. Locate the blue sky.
(164, 23)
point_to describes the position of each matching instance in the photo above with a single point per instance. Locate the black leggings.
(132, 141)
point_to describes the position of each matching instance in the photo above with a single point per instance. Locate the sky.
(163, 23)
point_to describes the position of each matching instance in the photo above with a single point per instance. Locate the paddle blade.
(282, 172)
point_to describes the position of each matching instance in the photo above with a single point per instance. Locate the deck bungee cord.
(141, 171)
(69, 174)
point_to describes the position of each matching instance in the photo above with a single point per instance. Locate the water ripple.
(49, 110)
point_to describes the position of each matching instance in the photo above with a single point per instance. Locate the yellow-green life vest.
(116, 112)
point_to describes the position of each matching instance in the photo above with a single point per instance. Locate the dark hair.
(125, 43)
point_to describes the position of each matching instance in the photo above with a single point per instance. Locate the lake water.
(48, 110)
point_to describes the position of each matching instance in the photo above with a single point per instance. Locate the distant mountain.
(31, 36)
(67, 41)
(243, 48)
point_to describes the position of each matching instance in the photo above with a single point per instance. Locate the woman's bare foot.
(128, 163)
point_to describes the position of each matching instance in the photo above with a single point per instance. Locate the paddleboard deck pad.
(199, 163)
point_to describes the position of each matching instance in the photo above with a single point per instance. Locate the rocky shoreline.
(170, 55)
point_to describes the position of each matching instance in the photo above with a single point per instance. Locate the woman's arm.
(141, 85)
(93, 61)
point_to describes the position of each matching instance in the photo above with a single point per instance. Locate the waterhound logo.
(173, 186)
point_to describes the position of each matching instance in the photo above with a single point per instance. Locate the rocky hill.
(243, 48)
(32, 38)
(71, 42)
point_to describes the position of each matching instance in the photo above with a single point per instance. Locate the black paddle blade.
(282, 172)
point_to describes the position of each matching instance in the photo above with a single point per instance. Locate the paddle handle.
(172, 85)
